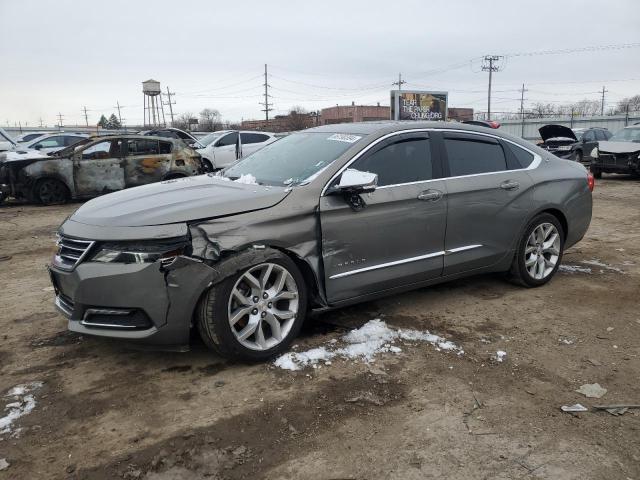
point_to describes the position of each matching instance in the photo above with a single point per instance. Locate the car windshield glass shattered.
(627, 135)
(204, 141)
(292, 159)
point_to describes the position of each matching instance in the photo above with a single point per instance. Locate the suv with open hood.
(574, 144)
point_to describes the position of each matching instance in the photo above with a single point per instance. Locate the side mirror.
(37, 147)
(355, 181)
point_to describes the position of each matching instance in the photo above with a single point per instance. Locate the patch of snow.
(574, 269)
(23, 403)
(247, 179)
(364, 344)
(604, 266)
(500, 354)
(12, 156)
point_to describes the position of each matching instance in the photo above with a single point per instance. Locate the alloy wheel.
(263, 306)
(542, 251)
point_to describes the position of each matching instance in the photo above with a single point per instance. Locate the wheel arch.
(172, 174)
(50, 176)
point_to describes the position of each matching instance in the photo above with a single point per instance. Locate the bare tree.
(209, 120)
(184, 121)
(631, 103)
(298, 119)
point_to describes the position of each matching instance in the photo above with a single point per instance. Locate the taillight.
(591, 182)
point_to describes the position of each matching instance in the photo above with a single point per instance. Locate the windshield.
(292, 159)
(627, 135)
(204, 141)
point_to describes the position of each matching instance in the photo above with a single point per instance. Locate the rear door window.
(142, 147)
(248, 138)
(472, 155)
(403, 161)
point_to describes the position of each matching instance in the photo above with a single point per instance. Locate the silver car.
(320, 219)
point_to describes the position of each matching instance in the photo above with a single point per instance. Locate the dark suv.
(572, 144)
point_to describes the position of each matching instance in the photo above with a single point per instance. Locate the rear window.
(523, 157)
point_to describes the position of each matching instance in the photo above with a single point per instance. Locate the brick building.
(354, 113)
(283, 123)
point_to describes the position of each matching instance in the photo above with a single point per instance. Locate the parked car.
(50, 143)
(221, 149)
(483, 123)
(574, 144)
(620, 154)
(171, 132)
(94, 166)
(320, 219)
(27, 137)
(6, 142)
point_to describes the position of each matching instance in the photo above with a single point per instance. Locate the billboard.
(418, 105)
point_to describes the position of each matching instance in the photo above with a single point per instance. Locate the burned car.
(572, 144)
(93, 167)
(320, 219)
(620, 154)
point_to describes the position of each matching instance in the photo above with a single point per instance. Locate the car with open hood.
(572, 144)
(620, 154)
(94, 166)
(320, 219)
(6, 142)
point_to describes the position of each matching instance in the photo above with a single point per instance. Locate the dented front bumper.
(150, 303)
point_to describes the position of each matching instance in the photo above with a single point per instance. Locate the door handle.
(430, 195)
(509, 185)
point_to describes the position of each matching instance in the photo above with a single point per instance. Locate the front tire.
(597, 173)
(207, 166)
(578, 156)
(539, 252)
(255, 313)
(50, 191)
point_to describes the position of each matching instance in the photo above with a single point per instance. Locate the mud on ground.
(106, 411)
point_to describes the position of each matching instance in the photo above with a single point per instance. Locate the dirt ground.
(107, 411)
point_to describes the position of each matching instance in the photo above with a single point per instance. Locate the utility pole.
(86, 118)
(522, 110)
(267, 105)
(60, 116)
(170, 103)
(602, 104)
(490, 66)
(400, 82)
(119, 116)
(41, 122)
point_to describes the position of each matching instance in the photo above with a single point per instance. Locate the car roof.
(390, 126)
(135, 137)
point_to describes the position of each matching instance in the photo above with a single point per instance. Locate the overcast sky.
(58, 56)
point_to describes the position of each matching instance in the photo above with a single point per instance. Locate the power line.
(562, 51)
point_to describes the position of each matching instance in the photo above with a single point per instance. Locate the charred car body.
(620, 154)
(95, 166)
(572, 144)
(320, 219)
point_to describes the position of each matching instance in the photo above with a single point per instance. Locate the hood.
(23, 154)
(618, 147)
(556, 131)
(175, 201)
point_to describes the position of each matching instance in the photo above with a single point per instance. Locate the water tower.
(153, 110)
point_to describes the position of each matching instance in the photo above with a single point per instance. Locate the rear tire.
(539, 252)
(50, 191)
(255, 313)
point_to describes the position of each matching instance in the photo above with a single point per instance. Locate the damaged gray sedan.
(320, 219)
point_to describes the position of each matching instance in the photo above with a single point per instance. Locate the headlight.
(594, 153)
(138, 253)
(564, 147)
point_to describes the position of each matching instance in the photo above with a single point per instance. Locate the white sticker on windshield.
(343, 137)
